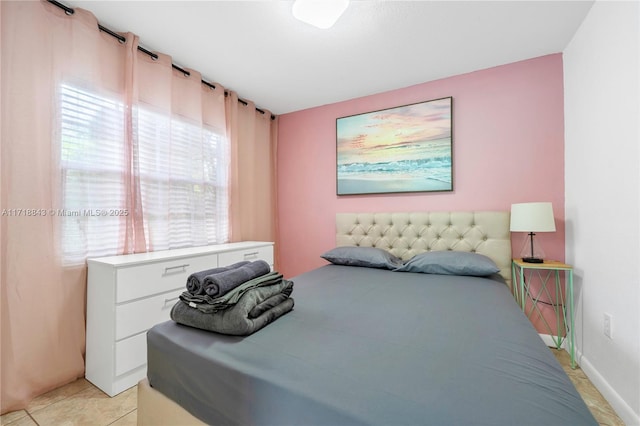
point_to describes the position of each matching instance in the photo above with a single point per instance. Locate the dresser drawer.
(265, 253)
(153, 278)
(141, 315)
(131, 353)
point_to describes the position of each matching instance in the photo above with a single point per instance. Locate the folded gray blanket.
(258, 307)
(220, 283)
(209, 305)
(195, 281)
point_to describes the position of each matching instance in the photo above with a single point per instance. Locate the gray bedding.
(370, 346)
(257, 308)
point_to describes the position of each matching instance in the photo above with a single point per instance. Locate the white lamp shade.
(532, 217)
(319, 13)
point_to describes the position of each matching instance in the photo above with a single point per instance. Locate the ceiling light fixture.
(319, 13)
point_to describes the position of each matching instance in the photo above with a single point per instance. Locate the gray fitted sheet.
(370, 346)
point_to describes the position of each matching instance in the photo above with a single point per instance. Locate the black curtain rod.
(122, 39)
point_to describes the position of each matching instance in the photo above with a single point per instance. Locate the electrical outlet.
(608, 326)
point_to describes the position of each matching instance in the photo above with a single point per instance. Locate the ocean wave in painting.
(430, 167)
(433, 174)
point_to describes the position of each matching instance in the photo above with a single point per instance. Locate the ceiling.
(259, 50)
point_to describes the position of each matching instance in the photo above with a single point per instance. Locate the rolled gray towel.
(195, 281)
(216, 285)
(210, 305)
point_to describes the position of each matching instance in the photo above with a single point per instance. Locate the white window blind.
(183, 173)
(92, 161)
(182, 166)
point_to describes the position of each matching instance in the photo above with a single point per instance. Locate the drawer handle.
(252, 254)
(173, 299)
(174, 269)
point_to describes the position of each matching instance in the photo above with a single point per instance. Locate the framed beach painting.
(402, 149)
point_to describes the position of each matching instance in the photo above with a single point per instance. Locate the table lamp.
(532, 218)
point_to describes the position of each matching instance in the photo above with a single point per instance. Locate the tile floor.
(81, 403)
(78, 403)
(599, 407)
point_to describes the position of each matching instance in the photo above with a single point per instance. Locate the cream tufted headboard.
(407, 234)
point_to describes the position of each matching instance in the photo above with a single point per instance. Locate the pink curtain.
(253, 136)
(43, 302)
(185, 200)
(43, 288)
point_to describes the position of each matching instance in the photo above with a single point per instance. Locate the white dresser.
(127, 295)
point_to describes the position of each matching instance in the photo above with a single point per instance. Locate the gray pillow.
(450, 263)
(369, 257)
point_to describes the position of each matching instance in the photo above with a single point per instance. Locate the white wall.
(602, 197)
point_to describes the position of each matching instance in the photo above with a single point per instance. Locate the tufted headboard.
(407, 234)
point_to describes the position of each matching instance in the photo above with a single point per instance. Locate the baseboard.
(548, 340)
(622, 409)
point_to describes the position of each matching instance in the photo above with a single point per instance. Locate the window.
(92, 161)
(182, 169)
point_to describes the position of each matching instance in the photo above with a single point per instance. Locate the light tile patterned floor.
(599, 406)
(78, 403)
(81, 403)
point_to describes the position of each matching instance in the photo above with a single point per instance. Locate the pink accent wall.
(508, 147)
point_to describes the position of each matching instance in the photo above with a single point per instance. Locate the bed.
(369, 345)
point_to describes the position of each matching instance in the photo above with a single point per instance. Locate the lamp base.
(532, 260)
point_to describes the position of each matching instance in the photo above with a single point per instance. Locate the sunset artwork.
(402, 149)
